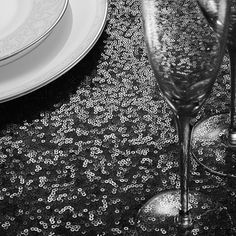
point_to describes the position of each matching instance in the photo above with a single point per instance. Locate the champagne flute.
(185, 55)
(214, 138)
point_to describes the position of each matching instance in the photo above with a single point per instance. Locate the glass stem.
(232, 131)
(184, 132)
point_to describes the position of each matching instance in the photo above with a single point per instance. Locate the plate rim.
(66, 68)
(38, 39)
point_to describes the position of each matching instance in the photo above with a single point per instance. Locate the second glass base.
(160, 216)
(210, 146)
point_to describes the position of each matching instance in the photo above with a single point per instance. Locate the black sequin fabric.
(83, 154)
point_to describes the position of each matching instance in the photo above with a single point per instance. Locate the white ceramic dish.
(69, 42)
(25, 23)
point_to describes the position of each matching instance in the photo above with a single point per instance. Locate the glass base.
(211, 147)
(160, 216)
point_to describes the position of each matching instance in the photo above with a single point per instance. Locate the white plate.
(25, 23)
(69, 42)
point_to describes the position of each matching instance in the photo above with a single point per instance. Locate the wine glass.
(185, 54)
(214, 138)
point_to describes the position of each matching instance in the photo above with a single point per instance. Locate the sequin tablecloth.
(83, 154)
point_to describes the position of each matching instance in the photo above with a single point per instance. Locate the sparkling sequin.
(82, 155)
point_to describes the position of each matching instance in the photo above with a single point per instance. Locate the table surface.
(83, 154)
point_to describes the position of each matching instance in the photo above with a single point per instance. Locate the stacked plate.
(42, 39)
